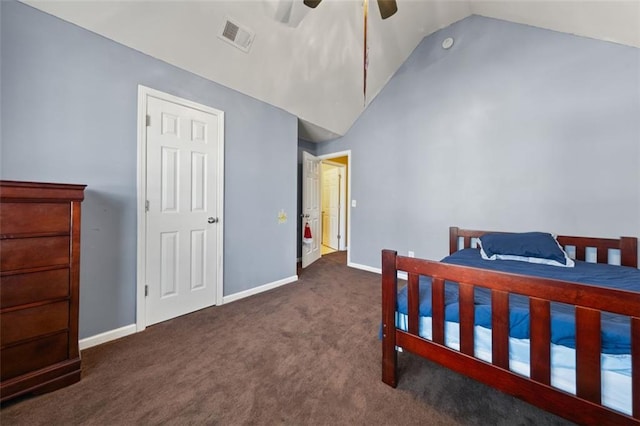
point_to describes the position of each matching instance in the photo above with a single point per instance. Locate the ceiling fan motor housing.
(387, 7)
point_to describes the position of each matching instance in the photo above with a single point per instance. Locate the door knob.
(212, 220)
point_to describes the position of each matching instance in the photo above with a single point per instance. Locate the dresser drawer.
(33, 355)
(34, 218)
(20, 289)
(27, 323)
(25, 253)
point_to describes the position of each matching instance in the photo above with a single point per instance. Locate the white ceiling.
(314, 69)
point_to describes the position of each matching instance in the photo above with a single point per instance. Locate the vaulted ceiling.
(309, 62)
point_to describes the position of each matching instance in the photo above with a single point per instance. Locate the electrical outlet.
(411, 254)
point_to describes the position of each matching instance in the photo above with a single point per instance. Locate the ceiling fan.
(387, 7)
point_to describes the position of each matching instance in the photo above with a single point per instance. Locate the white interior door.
(311, 207)
(182, 219)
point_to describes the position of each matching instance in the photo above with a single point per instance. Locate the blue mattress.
(615, 328)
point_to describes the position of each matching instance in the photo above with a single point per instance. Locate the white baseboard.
(364, 267)
(401, 275)
(256, 290)
(107, 336)
(110, 335)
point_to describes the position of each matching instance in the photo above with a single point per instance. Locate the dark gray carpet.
(304, 354)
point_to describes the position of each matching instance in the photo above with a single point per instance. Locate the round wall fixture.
(447, 43)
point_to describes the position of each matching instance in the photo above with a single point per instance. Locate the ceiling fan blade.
(312, 3)
(387, 8)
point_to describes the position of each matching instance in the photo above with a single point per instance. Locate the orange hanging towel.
(307, 238)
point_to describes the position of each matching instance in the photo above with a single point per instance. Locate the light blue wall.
(69, 109)
(514, 128)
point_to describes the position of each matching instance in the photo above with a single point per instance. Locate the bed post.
(629, 251)
(453, 239)
(389, 296)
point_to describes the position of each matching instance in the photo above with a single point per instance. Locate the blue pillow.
(532, 247)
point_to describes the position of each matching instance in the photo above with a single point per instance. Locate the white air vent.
(237, 35)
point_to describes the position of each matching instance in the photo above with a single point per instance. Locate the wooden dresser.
(39, 286)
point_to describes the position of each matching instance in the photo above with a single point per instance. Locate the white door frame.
(141, 273)
(347, 154)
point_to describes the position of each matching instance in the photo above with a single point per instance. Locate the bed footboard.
(590, 301)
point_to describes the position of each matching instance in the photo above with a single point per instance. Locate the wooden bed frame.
(584, 407)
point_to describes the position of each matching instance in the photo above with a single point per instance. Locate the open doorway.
(334, 196)
(333, 206)
(310, 223)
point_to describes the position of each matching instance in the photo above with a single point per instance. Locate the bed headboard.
(628, 246)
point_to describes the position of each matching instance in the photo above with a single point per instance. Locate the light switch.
(353, 203)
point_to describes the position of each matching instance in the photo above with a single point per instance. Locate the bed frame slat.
(437, 304)
(413, 301)
(588, 347)
(467, 318)
(602, 255)
(500, 328)
(540, 337)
